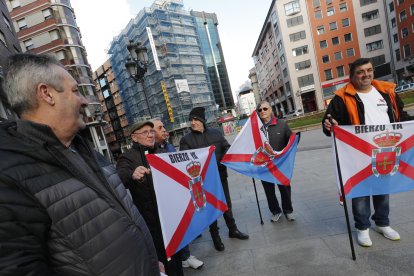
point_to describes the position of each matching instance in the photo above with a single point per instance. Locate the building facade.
(305, 47)
(255, 85)
(116, 129)
(49, 26)
(9, 45)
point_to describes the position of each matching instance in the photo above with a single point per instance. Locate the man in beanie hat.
(133, 169)
(200, 137)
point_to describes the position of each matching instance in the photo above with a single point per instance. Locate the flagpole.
(342, 190)
(257, 200)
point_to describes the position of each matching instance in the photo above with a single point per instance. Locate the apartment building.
(116, 129)
(49, 26)
(316, 40)
(9, 45)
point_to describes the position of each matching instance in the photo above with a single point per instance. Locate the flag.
(189, 194)
(376, 159)
(251, 154)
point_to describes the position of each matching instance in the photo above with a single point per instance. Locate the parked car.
(293, 113)
(404, 87)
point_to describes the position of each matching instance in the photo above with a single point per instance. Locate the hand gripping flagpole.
(342, 189)
(257, 200)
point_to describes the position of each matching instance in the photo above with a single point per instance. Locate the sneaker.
(290, 217)
(276, 217)
(192, 262)
(388, 232)
(363, 238)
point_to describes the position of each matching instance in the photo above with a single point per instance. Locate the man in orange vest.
(365, 101)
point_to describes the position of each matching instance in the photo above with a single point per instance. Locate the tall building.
(116, 129)
(255, 85)
(305, 47)
(177, 68)
(207, 31)
(9, 45)
(49, 26)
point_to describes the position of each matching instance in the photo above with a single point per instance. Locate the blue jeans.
(361, 209)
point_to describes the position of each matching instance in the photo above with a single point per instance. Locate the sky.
(240, 23)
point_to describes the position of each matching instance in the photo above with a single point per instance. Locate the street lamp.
(137, 65)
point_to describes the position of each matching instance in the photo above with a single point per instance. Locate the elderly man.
(161, 140)
(133, 169)
(365, 101)
(200, 137)
(63, 208)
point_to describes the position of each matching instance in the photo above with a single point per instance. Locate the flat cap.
(138, 125)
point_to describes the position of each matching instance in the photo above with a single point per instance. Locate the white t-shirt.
(375, 107)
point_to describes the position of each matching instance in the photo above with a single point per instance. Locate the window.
(345, 22)
(21, 23)
(391, 6)
(372, 30)
(348, 37)
(343, 7)
(335, 40)
(328, 74)
(7, 22)
(350, 52)
(328, 2)
(297, 36)
(15, 3)
(412, 9)
(333, 26)
(340, 71)
(403, 16)
(295, 21)
(375, 46)
(323, 44)
(300, 51)
(393, 22)
(407, 50)
(400, 2)
(285, 73)
(395, 36)
(316, 3)
(378, 60)
(318, 14)
(397, 55)
(60, 54)
(287, 86)
(325, 59)
(367, 16)
(292, 8)
(279, 45)
(47, 13)
(282, 59)
(320, 29)
(54, 35)
(404, 32)
(330, 11)
(366, 2)
(306, 80)
(28, 44)
(303, 65)
(338, 55)
(3, 38)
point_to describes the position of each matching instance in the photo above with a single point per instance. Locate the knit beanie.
(198, 114)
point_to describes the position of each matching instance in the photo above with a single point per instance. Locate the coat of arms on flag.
(376, 159)
(251, 154)
(189, 194)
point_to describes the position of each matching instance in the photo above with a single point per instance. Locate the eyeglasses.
(145, 133)
(264, 109)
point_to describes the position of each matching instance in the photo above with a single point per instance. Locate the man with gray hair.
(63, 208)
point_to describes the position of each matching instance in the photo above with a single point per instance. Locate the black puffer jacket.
(211, 136)
(278, 133)
(53, 221)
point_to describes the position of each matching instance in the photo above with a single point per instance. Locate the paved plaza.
(317, 242)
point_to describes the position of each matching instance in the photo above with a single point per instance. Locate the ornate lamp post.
(137, 65)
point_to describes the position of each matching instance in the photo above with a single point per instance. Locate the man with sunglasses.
(133, 169)
(278, 134)
(365, 101)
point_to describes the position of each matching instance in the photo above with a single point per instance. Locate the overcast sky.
(240, 23)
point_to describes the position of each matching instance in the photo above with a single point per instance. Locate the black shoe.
(218, 244)
(238, 235)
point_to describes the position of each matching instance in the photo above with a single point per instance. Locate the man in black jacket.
(278, 134)
(133, 169)
(63, 208)
(200, 137)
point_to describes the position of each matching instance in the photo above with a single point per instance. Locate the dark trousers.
(285, 195)
(228, 215)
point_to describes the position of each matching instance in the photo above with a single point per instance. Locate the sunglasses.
(264, 109)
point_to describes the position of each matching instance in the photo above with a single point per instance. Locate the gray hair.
(23, 75)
